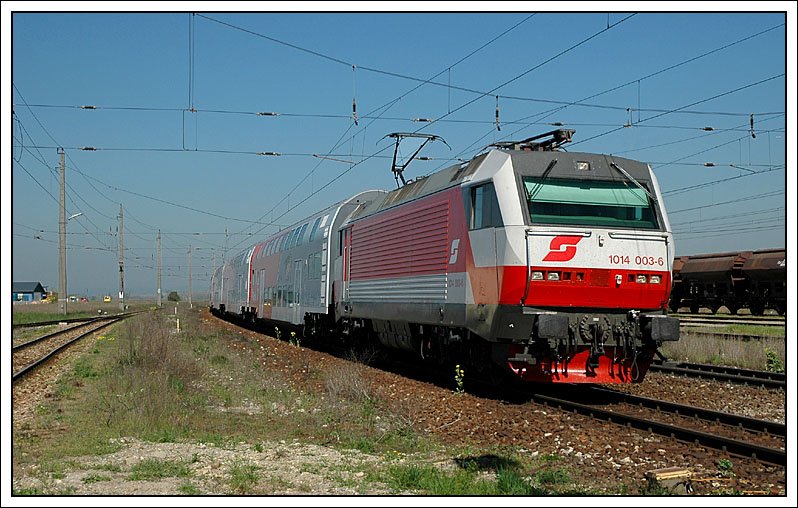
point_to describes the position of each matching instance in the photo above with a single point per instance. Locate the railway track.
(30, 355)
(721, 373)
(719, 321)
(742, 436)
(75, 320)
(737, 435)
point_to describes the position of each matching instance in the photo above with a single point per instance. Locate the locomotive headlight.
(655, 279)
(554, 275)
(537, 275)
(641, 279)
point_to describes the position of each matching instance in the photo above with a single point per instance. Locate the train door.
(297, 312)
(346, 254)
(262, 296)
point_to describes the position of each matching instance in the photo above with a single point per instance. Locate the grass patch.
(243, 478)
(154, 469)
(189, 489)
(113, 468)
(95, 478)
(723, 350)
(432, 481)
(553, 476)
(22, 318)
(84, 369)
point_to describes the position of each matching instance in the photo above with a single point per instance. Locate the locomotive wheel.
(694, 308)
(732, 309)
(757, 309)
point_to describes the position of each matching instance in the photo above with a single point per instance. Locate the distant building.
(27, 292)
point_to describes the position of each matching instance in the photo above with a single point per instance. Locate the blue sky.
(143, 70)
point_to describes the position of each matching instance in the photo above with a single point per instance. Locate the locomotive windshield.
(589, 203)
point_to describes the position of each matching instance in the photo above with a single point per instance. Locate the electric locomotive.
(547, 265)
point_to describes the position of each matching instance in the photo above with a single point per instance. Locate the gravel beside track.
(598, 455)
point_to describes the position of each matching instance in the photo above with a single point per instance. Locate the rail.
(719, 373)
(43, 359)
(728, 445)
(75, 320)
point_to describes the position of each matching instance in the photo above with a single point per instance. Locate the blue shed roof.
(27, 287)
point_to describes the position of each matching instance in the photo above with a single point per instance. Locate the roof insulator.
(709, 164)
(88, 107)
(708, 128)
(268, 153)
(267, 113)
(557, 124)
(422, 119)
(89, 148)
(424, 158)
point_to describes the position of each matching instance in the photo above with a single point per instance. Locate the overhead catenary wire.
(510, 97)
(384, 108)
(369, 116)
(692, 59)
(723, 94)
(733, 201)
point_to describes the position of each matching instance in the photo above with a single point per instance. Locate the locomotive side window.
(589, 202)
(484, 208)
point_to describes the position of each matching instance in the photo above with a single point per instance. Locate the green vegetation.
(154, 469)
(243, 478)
(21, 318)
(774, 363)
(189, 489)
(174, 296)
(743, 330)
(722, 350)
(459, 374)
(151, 384)
(726, 468)
(94, 478)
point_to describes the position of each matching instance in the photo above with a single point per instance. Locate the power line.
(687, 106)
(739, 200)
(725, 217)
(509, 97)
(384, 108)
(621, 86)
(689, 188)
(275, 114)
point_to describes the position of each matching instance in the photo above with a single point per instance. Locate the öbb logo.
(563, 248)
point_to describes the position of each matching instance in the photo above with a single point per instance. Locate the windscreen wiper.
(631, 179)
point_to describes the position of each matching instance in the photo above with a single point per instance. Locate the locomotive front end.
(586, 279)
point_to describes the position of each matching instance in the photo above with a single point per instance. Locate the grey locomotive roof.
(526, 163)
(535, 163)
(27, 287)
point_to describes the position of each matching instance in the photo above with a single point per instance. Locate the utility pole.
(121, 261)
(190, 305)
(213, 272)
(62, 220)
(158, 249)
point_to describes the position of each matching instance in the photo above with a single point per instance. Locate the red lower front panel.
(577, 368)
(584, 287)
